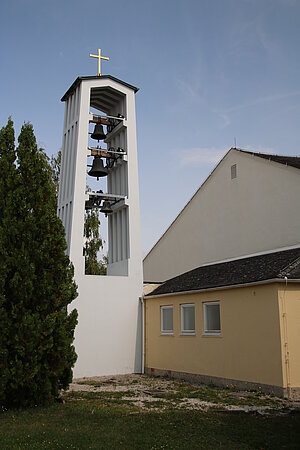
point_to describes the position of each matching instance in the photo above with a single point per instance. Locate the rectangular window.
(188, 319)
(212, 322)
(233, 171)
(166, 319)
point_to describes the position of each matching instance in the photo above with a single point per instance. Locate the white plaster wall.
(108, 337)
(257, 211)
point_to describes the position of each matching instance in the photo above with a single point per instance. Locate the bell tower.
(99, 170)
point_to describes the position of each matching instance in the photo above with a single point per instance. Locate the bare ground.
(144, 393)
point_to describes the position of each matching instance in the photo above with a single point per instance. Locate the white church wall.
(256, 211)
(108, 338)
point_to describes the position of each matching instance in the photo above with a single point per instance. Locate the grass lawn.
(113, 416)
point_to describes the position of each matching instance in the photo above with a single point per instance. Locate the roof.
(94, 77)
(293, 161)
(268, 266)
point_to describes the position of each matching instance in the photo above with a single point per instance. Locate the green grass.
(112, 420)
(90, 424)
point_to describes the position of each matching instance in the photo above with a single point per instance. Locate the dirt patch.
(144, 393)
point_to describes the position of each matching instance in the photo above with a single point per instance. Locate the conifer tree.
(38, 284)
(7, 179)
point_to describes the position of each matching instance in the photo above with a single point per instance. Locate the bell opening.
(100, 164)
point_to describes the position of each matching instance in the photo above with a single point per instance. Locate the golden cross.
(99, 60)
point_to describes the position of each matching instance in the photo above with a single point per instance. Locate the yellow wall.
(289, 307)
(249, 348)
(149, 287)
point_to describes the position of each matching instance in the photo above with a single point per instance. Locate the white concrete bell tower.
(108, 337)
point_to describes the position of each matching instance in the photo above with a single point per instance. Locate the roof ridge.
(267, 154)
(290, 161)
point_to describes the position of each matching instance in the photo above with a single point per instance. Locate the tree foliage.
(55, 164)
(7, 182)
(36, 279)
(93, 244)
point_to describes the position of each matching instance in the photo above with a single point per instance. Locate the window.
(188, 319)
(233, 171)
(166, 319)
(212, 323)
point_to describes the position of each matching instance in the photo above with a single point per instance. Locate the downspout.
(285, 337)
(143, 333)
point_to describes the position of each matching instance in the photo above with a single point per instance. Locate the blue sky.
(208, 71)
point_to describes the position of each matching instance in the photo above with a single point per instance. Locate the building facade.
(249, 204)
(234, 323)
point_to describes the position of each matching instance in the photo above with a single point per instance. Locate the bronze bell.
(89, 204)
(106, 208)
(98, 169)
(98, 133)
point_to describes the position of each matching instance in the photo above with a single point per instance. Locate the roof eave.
(80, 79)
(219, 288)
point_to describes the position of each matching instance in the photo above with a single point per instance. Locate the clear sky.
(208, 71)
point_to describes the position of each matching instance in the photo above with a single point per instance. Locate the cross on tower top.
(99, 57)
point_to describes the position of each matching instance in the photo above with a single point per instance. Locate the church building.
(222, 285)
(249, 204)
(221, 299)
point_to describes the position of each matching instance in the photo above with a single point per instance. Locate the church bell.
(89, 204)
(106, 208)
(98, 133)
(98, 169)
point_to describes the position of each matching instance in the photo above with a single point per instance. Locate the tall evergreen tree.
(7, 183)
(38, 284)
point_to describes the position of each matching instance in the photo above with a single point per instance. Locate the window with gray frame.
(166, 313)
(233, 171)
(188, 319)
(212, 321)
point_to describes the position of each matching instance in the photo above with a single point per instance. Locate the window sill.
(166, 334)
(211, 335)
(186, 333)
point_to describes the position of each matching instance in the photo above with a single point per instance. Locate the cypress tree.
(38, 286)
(7, 180)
